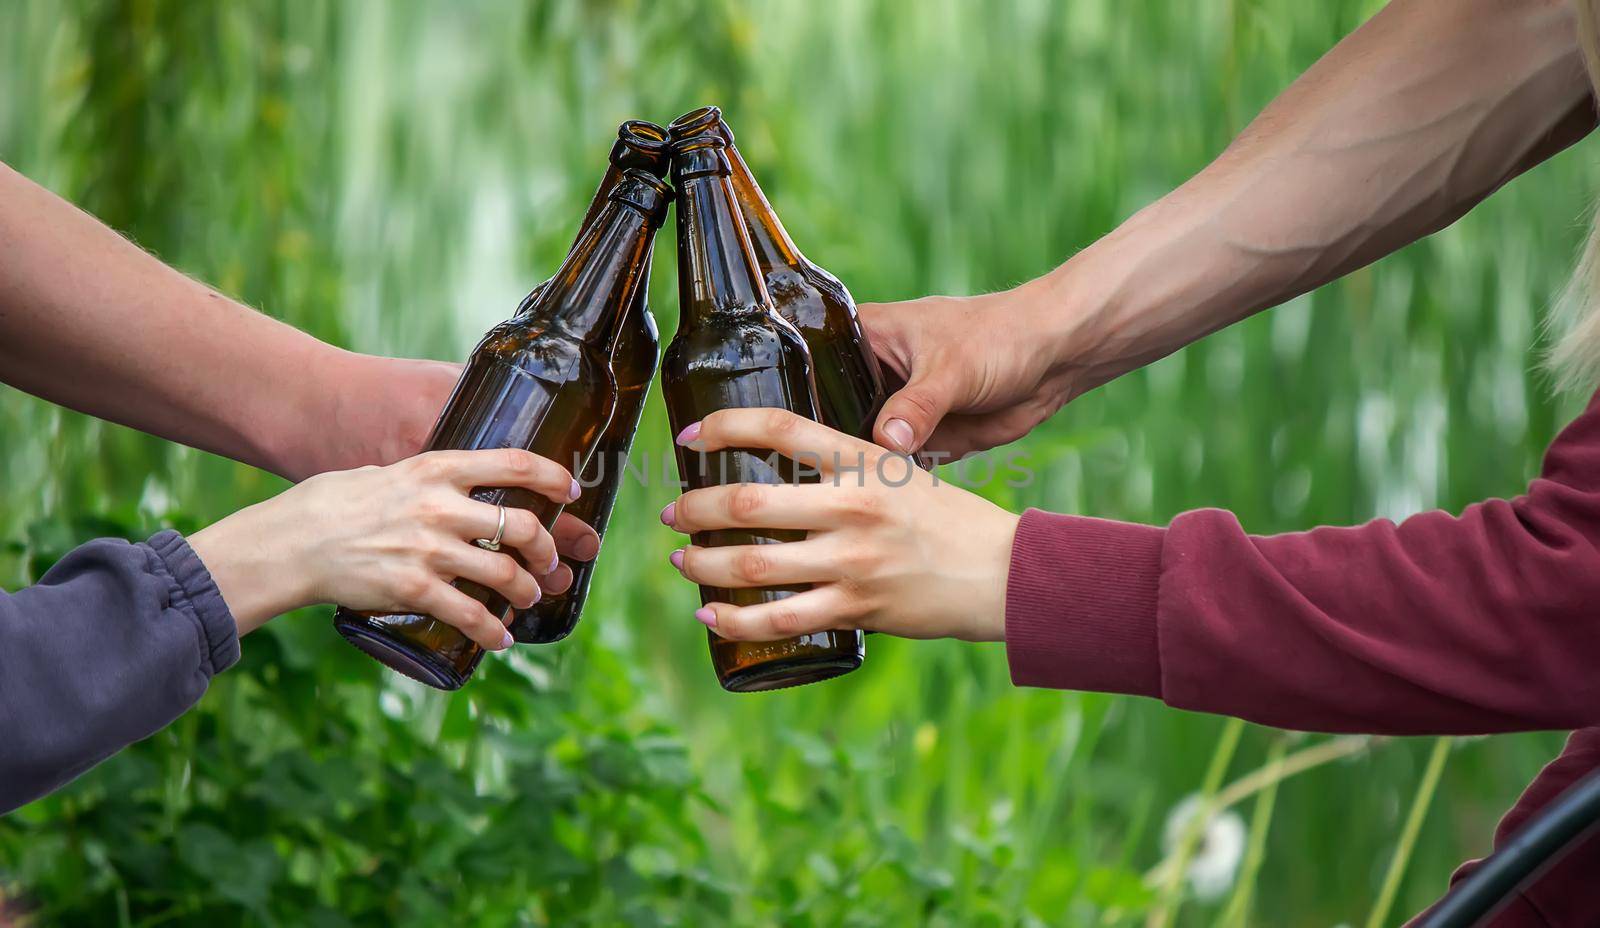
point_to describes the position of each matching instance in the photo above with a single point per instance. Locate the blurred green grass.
(393, 177)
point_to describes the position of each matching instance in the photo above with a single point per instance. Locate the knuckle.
(428, 467)
(519, 463)
(786, 621)
(541, 543)
(781, 422)
(522, 529)
(428, 510)
(861, 563)
(863, 506)
(473, 616)
(746, 500)
(505, 571)
(852, 588)
(921, 399)
(752, 565)
(425, 546)
(481, 626)
(411, 586)
(328, 479)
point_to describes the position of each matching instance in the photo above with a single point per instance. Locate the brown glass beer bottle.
(541, 382)
(640, 145)
(849, 381)
(732, 350)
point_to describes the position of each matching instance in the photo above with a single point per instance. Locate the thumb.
(914, 411)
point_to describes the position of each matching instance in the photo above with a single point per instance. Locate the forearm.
(90, 321)
(1399, 130)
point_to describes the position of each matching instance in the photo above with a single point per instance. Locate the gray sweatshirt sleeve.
(111, 645)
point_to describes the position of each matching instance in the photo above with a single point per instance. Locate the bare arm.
(1400, 129)
(90, 321)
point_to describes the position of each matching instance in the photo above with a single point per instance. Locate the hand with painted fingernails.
(392, 539)
(889, 547)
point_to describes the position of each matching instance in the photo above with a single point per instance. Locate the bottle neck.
(608, 182)
(771, 242)
(589, 296)
(717, 269)
(641, 145)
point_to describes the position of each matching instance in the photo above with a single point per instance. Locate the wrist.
(301, 419)
(368, 411)
(259, 563)
(1068, 324)
(989, 617)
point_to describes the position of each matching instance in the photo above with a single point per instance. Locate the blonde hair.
(1575, 357)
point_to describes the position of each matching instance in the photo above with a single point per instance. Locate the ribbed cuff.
(1081, 604)
(194, 592)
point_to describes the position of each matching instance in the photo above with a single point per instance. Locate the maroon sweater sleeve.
(1484, 622)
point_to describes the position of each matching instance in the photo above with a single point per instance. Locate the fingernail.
(668, 513)
(676, 558)
(555, 561)
(707, 616)
(689, 435)
(586, 548)
(898, 431)
(506, 641)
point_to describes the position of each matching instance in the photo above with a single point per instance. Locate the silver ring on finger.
(493, 544)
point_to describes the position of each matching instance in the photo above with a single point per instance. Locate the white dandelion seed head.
(1217, 853)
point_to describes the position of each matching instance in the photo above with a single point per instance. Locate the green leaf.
(242, 872)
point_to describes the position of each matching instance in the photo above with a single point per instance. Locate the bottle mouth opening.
(683, 146)
(697, 121)
(643, 135)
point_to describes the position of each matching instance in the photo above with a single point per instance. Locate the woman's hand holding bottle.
(393, 538)
(889, 547)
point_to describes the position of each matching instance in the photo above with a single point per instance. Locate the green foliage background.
(393, 176)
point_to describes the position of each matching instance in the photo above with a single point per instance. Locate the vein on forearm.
(1394, 134)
